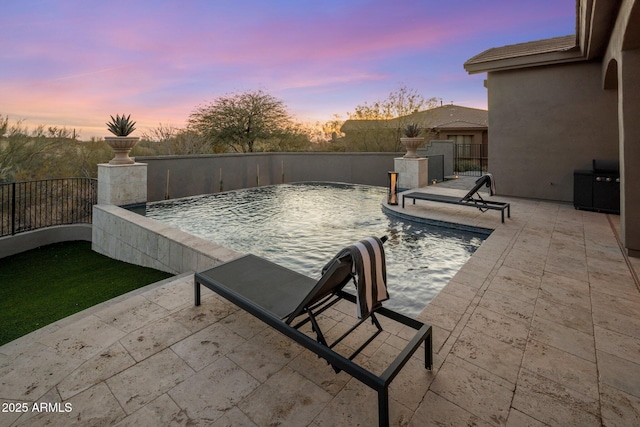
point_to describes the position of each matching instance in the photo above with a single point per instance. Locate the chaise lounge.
(468, 200)
(287, 300)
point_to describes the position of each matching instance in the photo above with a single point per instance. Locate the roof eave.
(461, 129)
(594, 22)
(549, 58)
(596, 19)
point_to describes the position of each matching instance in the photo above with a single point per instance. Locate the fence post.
(13, 208)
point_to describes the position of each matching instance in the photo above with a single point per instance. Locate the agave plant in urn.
(412, 140)
(121, 143)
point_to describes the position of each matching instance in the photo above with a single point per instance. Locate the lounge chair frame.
(472, 199)
(285, 281)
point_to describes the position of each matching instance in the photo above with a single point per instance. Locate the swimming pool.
(302, 226)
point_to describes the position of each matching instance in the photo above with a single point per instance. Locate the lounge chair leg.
(383, 407)
(196, 292)
(428, 353)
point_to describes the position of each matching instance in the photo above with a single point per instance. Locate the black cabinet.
(597, 189)
(583, 189)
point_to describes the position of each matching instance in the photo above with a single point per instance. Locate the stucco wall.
(545, 122)
(442, 150)
(11, 245)
(629, 98)
(192, 175)
(621, 74)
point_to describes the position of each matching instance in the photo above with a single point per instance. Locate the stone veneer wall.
(127, 236)
(122, 184)
(412, 172)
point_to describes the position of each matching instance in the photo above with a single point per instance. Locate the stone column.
(122, 184)
(412, 172)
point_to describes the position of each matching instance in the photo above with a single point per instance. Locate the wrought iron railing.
(470, 159)
(30, 205)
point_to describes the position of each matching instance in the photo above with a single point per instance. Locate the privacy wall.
(182, 176)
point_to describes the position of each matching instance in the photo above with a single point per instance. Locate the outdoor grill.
(598, 189)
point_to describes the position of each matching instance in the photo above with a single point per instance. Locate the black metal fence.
(470, 159)
(29, 205)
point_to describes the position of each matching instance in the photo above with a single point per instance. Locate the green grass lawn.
(47, 284)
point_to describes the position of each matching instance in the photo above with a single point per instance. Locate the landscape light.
(392, 198)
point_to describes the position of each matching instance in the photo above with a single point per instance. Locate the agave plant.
(412, 130)
(121, 126)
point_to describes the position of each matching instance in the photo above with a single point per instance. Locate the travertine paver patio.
(540, 327)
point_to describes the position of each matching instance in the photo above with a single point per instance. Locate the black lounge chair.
(278, 296)
(472, 198)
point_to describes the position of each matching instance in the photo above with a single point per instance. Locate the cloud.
(76, 61)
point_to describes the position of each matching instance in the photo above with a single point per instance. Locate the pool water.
(302, 226)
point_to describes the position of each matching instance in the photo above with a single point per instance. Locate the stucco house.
(557, 104)
(463, 125)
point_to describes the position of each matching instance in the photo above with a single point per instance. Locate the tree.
(239, 121)
(36, 154)
(382, 121)
(169, 140)
(84, 160)
(332, 128)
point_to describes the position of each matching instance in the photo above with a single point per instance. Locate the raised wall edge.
(22, 242)
(126, 236)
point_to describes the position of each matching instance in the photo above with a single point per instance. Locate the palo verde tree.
(242, 122)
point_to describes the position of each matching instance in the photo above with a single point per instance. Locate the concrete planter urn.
(121, 143)
(411, 140)
(121, 146)
(411, 145)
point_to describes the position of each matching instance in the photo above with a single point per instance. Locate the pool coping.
(437, 223)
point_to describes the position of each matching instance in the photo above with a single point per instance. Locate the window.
(461, 139)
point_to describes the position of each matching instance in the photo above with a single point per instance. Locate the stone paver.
(540, 327)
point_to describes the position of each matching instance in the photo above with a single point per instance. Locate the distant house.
(463, 125)
(556, 104)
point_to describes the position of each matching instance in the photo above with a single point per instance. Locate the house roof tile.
(552, 45)
(447, 116)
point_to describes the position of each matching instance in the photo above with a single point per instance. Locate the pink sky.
(73, 63)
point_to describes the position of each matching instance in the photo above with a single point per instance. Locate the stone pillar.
(122, 184)
(412, 172)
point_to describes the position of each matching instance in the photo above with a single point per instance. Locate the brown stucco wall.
(629, 99)
(621, 75)
(544, 123)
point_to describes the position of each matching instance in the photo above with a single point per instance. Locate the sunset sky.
(73, 63)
